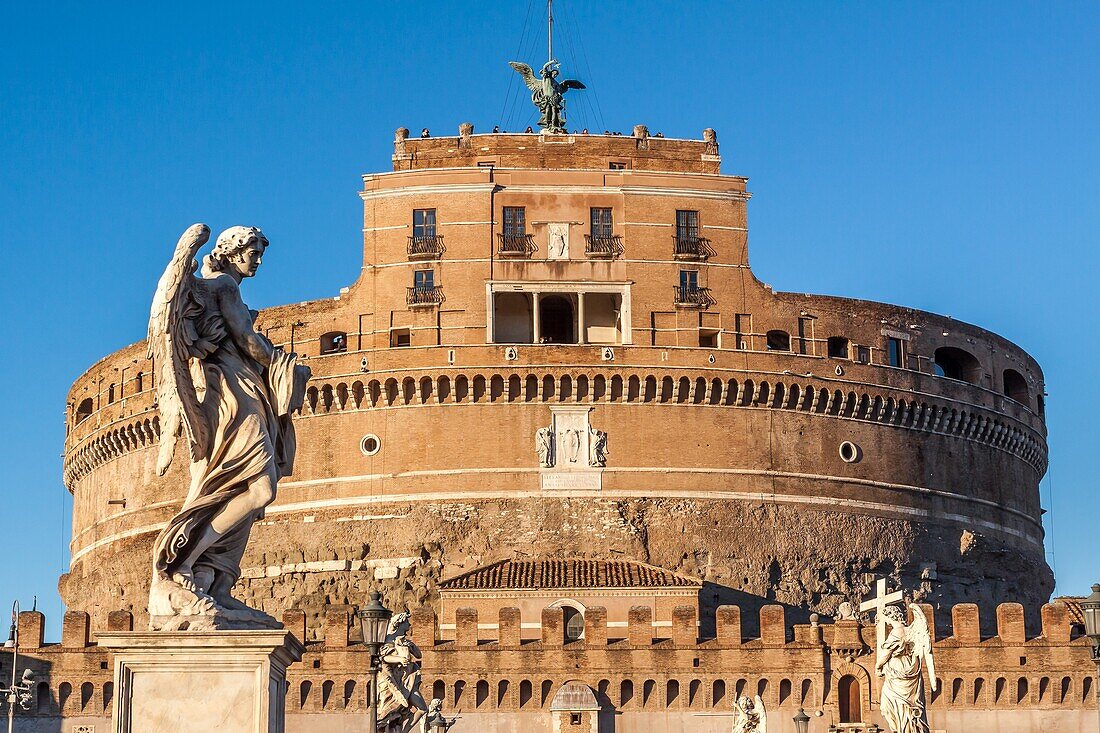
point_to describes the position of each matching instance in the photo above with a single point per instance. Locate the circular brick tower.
(557, 347)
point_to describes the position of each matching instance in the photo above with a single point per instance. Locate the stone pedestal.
(182, 682)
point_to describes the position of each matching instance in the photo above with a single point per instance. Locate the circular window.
(370, 444)
(850, 452)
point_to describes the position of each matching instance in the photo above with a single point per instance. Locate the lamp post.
(801, 722)
(16, 693)
(374, 618)
(1090, 609)
(439, 725)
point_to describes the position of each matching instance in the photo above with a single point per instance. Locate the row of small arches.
(912, 414)
(1004, 691)
(87, 699)
(668, 389)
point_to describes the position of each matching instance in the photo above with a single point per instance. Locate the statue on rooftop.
(547, 93)
(902, 659)
(229, 392)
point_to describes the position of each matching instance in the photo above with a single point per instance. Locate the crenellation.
(966, 624)
(728, 625)
(773, 626)
(1010, 623)
(467, 633)
(640, 626)
(75, 630)
(685, 628)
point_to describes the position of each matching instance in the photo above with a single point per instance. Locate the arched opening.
(955, 363)
(778, 341)
(512, 318)
(83, 410)
(349, 693)
(439, 690)
(849, 699)
(557, 324)
(1015, 387)
(334, 342)
(573, 614)
(626, 692)
(672, 692)
(524, 692)
(42, 698)
(481, 693)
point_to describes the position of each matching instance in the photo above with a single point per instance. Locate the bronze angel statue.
(547, 93)
(902, 659)
(228, 392)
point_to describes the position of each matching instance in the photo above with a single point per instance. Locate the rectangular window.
(423, 279)
(400, 337)
(601, 222)
(689, 280)
(515, 221)
(744, 331)
(708, 338)
(617, 165)
(895, 352)
(423, 223)
(687, 225)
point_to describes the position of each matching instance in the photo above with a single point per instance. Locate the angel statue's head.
(893, 616)
(399, 624)
(238, 251)
(549, 69)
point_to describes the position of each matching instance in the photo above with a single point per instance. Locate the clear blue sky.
(944, 156)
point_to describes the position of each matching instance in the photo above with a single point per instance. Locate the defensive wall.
(773, 444)
(645, 677)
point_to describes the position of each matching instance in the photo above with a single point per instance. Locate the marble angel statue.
(401, 706)
(228, 393)
(751, 715)
(902, 659)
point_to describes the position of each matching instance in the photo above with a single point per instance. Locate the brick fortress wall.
(725, 457)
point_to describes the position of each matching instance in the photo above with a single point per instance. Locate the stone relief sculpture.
(751, 715)
(229, 393)
(544, 446)
(572, 444)
(598, 448)
(902, 658)
(401, 707)
(547, 93)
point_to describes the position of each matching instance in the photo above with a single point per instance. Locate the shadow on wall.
(712, 595)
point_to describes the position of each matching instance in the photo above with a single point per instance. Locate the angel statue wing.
(174, 339)
(572, 84)
(528, 75)
(762, 721)
(917, 634)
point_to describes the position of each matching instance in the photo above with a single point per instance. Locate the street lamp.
(1090, 609)
(374, 618)
(439, 725)
(16, 693)
(801, 722)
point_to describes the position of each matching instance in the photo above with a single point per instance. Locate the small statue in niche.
(751, 715)
(902, 658)
(598, 449)
(544, 446)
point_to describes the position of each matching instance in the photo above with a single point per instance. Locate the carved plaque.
(557, 241)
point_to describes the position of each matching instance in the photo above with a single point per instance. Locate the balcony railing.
(687, 247)
(515, 245)
(602, 247)
(694, 297)
(426, 247)
(424, 295)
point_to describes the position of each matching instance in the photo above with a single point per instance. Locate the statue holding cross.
(903, 657)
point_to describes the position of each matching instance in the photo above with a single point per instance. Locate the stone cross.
(877, 604)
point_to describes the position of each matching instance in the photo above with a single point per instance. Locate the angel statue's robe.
(248, 408)
(902, 700)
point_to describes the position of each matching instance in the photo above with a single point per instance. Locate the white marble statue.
(598, 448)
(435, 715)
(401, 707)
(229, 393)
(544, 446)
(751, 715)
(902, 659)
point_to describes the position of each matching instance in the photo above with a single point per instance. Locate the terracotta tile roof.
(568, 573)
(1073, 603)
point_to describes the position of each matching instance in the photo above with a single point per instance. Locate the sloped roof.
(1073, 603)
(571, 573)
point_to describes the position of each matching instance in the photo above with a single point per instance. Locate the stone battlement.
(578, 151)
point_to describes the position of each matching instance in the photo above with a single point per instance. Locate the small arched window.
(849, 698)
(1015, 387)
(334, 342)
(574, 622)
(778, 340)
(83, 410)
(111, 394)
(955, 363)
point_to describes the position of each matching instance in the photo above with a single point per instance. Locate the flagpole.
(550, 30)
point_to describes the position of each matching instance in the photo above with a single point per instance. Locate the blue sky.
(944, 156)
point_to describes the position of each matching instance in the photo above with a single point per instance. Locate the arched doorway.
(556, 320)
(848, 697)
